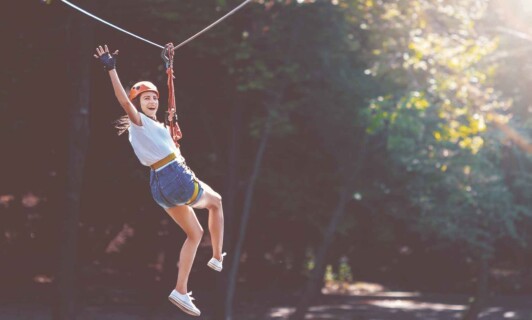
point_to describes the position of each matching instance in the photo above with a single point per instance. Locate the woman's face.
(149, 103)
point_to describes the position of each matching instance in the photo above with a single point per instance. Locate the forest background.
(359, 146)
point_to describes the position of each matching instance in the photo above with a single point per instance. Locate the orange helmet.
(141, 87)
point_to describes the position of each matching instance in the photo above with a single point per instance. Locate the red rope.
(175, 131)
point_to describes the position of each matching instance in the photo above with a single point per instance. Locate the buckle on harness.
(168, 122)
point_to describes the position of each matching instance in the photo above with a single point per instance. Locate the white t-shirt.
(151, 141)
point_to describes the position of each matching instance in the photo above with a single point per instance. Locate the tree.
(441, 128)
(81, 40)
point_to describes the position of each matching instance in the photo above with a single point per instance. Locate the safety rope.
(168, 58)
(151, 42)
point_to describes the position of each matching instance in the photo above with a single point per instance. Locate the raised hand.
(107, 59)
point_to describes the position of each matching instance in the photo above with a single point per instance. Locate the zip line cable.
(110, 24)
(148, 41)
(167, 55)
(211, 25)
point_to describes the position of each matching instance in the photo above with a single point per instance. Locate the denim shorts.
(173, 185)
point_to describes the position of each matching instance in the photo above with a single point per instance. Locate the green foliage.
(329, 274)
(426, 84)
(344, 271)
(438, 119)
(343, 274)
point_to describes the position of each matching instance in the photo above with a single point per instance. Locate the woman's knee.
(216, 201)
(196, 234)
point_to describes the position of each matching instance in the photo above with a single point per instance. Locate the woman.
(173, 185)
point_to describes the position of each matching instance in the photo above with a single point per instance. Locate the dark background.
(305, 65)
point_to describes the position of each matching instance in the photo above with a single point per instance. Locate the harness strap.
(163, 161)
(168, 57)
(195, 194)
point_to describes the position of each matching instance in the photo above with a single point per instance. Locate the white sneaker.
(216, 264)
(184, 302)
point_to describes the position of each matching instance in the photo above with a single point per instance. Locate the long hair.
(122, 124)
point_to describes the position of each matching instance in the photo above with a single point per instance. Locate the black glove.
(108, 60)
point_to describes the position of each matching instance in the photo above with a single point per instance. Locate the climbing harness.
(168, 57)
(151, 42)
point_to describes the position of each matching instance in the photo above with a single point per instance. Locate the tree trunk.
(479, 301)
(237, 251)
(78, 133)
(316, 278)
(235, 263)
(229, 201)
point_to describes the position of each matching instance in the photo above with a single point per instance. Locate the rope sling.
(168, 57)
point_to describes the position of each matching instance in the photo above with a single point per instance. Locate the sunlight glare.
(281, 312)
(526, 5)
(414, 305)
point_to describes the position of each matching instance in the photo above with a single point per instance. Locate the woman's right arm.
(123, 99)
(109, 60)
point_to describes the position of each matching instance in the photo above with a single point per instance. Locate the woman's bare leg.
(212, 201)
(185, 217)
